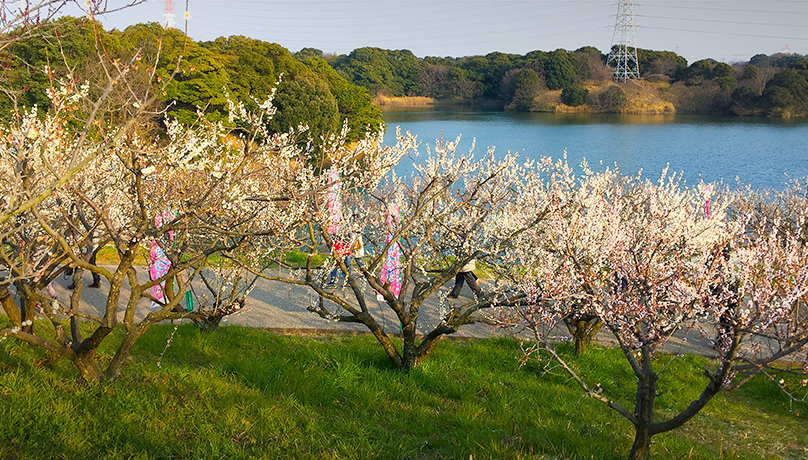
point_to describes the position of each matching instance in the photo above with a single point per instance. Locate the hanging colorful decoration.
(391, 270)
(334, 205)
(707, 201)
(189, 301)
(160, 264)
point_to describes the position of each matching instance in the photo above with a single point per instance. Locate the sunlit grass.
(245, 393)
(108, 255)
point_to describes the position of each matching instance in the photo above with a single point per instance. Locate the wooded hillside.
(309, 91)
(580, 80)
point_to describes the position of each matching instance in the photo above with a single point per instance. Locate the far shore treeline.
(325, 90)
(580, 81)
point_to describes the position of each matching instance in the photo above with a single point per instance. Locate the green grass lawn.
(245, 393)
(109, 256)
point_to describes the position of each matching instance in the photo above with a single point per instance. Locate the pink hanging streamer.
(391, 269)
(707, 201)
(160, 264)
(334, 205)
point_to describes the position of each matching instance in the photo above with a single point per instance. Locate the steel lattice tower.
(624, 48)
(169, 14)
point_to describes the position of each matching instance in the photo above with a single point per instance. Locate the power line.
(422, 31)
(734, 10)
(720, 21)
(438, 27)
(726, 33)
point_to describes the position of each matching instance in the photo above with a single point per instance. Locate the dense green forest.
(774, 85)
(324, 91)
(310, 92)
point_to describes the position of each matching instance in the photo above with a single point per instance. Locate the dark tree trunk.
(115, 367)
(641, 450)
(208, 323)
(644, 407)
(583, 329)
(408, 362)
(87, 366)
(409, 352)
(10, 307)
(27, 307)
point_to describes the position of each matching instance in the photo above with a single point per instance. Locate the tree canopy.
(309, 91)
(705, 86)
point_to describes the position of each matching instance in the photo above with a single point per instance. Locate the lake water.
(759, 152)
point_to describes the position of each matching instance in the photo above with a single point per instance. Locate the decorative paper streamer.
(707, 201)
(189, 301)
(334, 205)
(391, 270)
(160, 264)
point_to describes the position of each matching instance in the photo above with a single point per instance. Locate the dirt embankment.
(410, 101)
(646, 98)
(640, 97)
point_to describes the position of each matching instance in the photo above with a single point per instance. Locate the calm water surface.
(760, 152)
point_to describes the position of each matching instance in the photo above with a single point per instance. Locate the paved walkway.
(282, 307)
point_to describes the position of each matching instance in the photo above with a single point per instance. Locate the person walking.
(357, 247)
(91, 248)
(466, 274)
(340, 249)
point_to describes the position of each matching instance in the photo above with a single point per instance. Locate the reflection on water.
(761, 152)
(409, 115)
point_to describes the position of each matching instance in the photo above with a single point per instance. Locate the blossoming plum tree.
(73, 180)
(418, 230)
(650, 260)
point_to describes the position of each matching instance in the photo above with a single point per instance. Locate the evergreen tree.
(559, 70)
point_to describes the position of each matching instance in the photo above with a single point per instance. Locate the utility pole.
(623, 57)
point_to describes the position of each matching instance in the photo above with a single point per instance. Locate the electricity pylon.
(623, 57)
(169, 17)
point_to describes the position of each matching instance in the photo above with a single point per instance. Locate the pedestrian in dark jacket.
(466, 274)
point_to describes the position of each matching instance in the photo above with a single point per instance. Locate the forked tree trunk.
(87, 367)
(208, 323)
(411, 355)
(583, 329)
(408, 361)
(115, 367)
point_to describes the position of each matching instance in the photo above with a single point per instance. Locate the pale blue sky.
(726, 30)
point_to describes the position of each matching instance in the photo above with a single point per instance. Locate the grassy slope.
(644, 98)
(241, 393)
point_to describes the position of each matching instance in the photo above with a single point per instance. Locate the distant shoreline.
(640, 98)
(404, 101)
